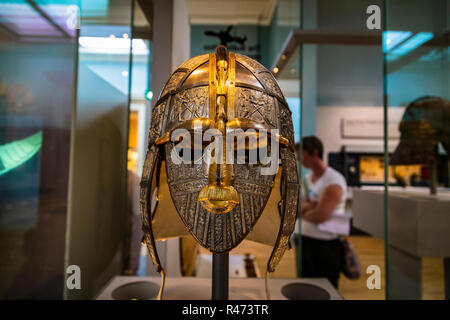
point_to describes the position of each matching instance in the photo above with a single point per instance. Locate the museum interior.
(81, 83)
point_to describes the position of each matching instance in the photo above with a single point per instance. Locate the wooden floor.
(370, 251)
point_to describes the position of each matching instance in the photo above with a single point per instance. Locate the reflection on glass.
(393, 38)
(140, 103)
(40, 18)
(37, 54)
(98, 191)
(399, 43)
(417, 89)
(16, 153)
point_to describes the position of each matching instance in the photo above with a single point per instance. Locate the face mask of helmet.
(219, 131)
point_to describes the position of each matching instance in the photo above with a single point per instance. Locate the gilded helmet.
(220, 130)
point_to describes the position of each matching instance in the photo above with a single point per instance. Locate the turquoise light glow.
(149, 95)
(97, 8)
(294, 106)
(414, 42)
(393, 38)
(16, 153)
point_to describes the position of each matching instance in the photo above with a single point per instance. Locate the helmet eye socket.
(247, 150)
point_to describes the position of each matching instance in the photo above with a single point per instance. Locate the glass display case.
(356, 84)
(38, 43)
(416, 89)
(80, 79)
(66, 86)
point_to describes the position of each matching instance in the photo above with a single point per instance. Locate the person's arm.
(308, 205)
(327, 203)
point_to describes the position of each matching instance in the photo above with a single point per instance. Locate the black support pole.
(220, 276)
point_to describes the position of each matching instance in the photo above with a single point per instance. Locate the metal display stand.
(220, 276)
(192, 288)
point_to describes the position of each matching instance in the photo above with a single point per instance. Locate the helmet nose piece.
(219, 196)
(218, 199)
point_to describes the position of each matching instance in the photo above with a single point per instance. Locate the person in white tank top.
(319, 223)
(323, 215)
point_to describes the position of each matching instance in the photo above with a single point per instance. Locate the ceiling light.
(393, 38)
(103, 45)
(413, 43)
